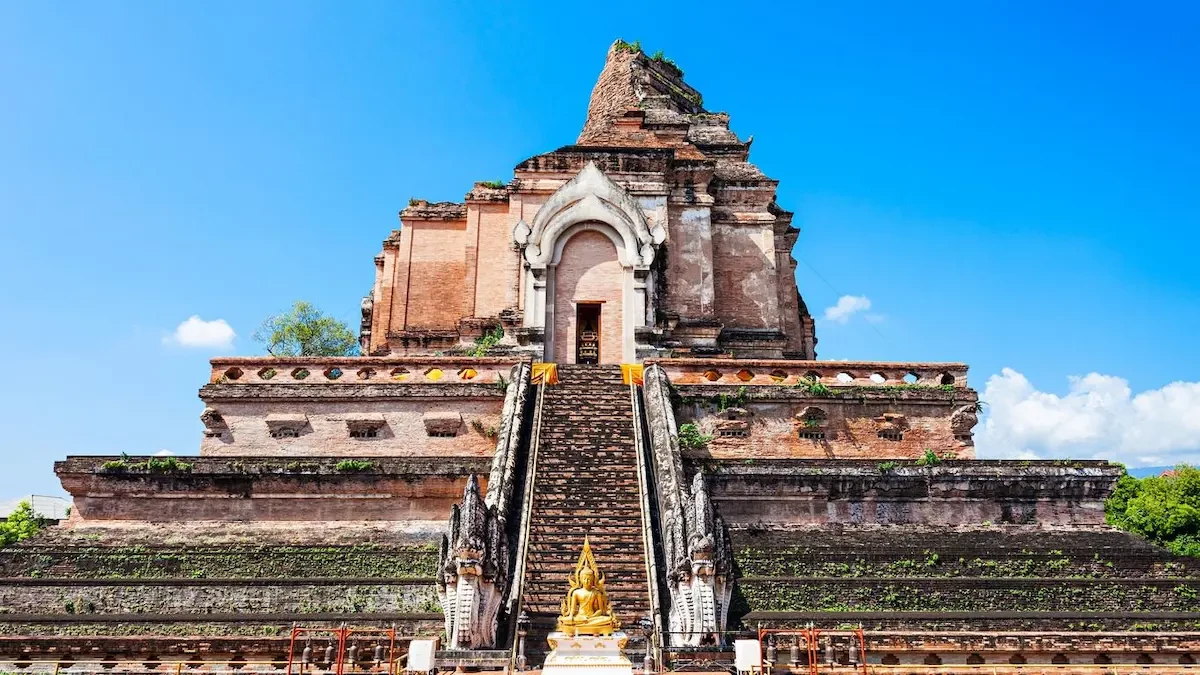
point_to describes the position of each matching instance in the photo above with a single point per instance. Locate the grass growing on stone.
(354, 465)
(150, 465)
(796, 562)
(235, 562)
(486, 342)
(1098, 596)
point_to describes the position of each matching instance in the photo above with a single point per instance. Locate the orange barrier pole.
(862, 649)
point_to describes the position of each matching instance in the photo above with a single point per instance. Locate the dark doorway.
(587, 333)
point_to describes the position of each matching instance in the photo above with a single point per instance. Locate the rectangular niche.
(365, 428)
(284, 426)
(442, 424)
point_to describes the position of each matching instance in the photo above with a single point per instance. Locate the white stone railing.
(828, 373)
(359, 370)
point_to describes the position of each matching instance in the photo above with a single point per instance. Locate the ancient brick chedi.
(654, 229)
(444, 482)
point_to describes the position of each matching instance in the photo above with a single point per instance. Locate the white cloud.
(846, 307)
(196, 332)
(163, 453)
(1098, 418)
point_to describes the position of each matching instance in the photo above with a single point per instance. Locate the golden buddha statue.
(585, 611)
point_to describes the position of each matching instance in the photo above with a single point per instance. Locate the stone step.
(586, 483)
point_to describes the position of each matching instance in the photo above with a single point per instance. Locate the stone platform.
(590, 654)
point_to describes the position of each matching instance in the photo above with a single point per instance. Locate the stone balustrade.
(359, 370)
(828, 373)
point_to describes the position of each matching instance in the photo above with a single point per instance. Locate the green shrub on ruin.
(1164, 509)
(690, 436)
(149, 465)
(813, 387)
(21, 524)
(354, 465)
(631, 47)
(486, 342)
(929, 458)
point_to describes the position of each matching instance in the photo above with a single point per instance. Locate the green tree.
(1164, 509)
(20, 524)
(306, 331)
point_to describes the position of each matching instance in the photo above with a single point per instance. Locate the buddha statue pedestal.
(588, 639)
(590, 654)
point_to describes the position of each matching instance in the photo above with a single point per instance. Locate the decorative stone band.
(828, 373)
(258, 370)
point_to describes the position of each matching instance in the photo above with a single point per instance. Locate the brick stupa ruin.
(732, 482)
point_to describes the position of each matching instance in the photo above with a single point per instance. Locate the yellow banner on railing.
(544, 373)
(631, 373)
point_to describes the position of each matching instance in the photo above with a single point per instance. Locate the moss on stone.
(233, 562)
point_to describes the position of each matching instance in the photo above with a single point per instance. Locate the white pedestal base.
(587, 654)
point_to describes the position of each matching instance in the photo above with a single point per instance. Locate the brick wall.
(689, 275)
(438, 288)
(325, 427)
(253, 488)
(495, 287)
(744, 276)
(958, 493)
(851, 430)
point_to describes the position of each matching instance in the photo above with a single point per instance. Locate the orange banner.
(631, 373)
(544, 373)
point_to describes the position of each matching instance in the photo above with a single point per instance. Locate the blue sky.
(1014, 185)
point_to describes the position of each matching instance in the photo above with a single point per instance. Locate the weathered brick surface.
(268, 489)
(804, 493)
(851, 430)
(744, 275)
(204, 596)
(326, 428)
(438, 284)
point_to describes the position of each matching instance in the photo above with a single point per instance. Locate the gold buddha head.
(587, 578)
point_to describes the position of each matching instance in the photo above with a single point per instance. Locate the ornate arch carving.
(589, 197)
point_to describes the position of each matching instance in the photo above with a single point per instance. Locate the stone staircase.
(586, 484)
